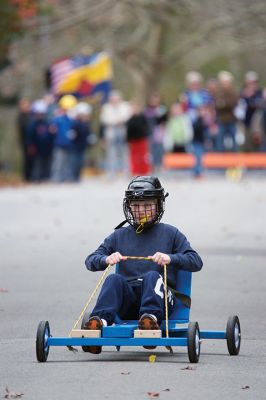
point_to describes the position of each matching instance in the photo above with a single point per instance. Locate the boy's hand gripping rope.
(71, 348)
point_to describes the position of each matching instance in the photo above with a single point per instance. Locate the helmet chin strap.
(142, 223)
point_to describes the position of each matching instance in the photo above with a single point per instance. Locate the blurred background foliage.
(152, 44)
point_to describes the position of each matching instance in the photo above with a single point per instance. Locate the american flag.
(97, 65)
(59, 70)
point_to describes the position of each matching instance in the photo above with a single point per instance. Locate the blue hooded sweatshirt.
(161, 237)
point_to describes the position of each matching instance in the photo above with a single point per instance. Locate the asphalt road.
(46, 233)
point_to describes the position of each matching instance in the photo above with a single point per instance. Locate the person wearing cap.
(195, 95)
(136, 291)
(251, 95)
(62, 129)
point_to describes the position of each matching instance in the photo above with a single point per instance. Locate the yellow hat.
(68, 101)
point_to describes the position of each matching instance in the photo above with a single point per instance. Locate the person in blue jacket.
(41, 142)
(136, 291)
(62, 126)
(80, 139)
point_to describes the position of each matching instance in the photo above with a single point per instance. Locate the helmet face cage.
(148, 217)
(144, 202)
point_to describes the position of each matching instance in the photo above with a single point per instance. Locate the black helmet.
(144, 188)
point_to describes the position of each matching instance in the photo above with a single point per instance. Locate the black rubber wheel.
(233, 335)
(85, 319)
(193, 342)
(42, 348)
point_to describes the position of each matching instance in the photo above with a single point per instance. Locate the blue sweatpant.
(130, 299)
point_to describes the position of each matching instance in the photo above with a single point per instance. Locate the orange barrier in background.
(216, 160)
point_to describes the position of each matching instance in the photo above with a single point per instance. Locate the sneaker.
(148, 322)
(94, 323)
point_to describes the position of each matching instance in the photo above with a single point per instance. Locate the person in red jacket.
(137, 138)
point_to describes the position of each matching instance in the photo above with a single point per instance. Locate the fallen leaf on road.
(12, 395)
(2, 290)
(152, 358)
(189, 368)
(153, 395)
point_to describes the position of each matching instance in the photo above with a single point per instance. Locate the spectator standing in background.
(258, 124)
(113, 118)
(226, 99)
(79, 139)
(137, 137)
(156, 114)
(210, 119)
(41, 141)
(251, 95)
(195, 95)
(62, 128)
(179, 130)
(52, 106)
(263, 106)
(199, 135)
(23, 122)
